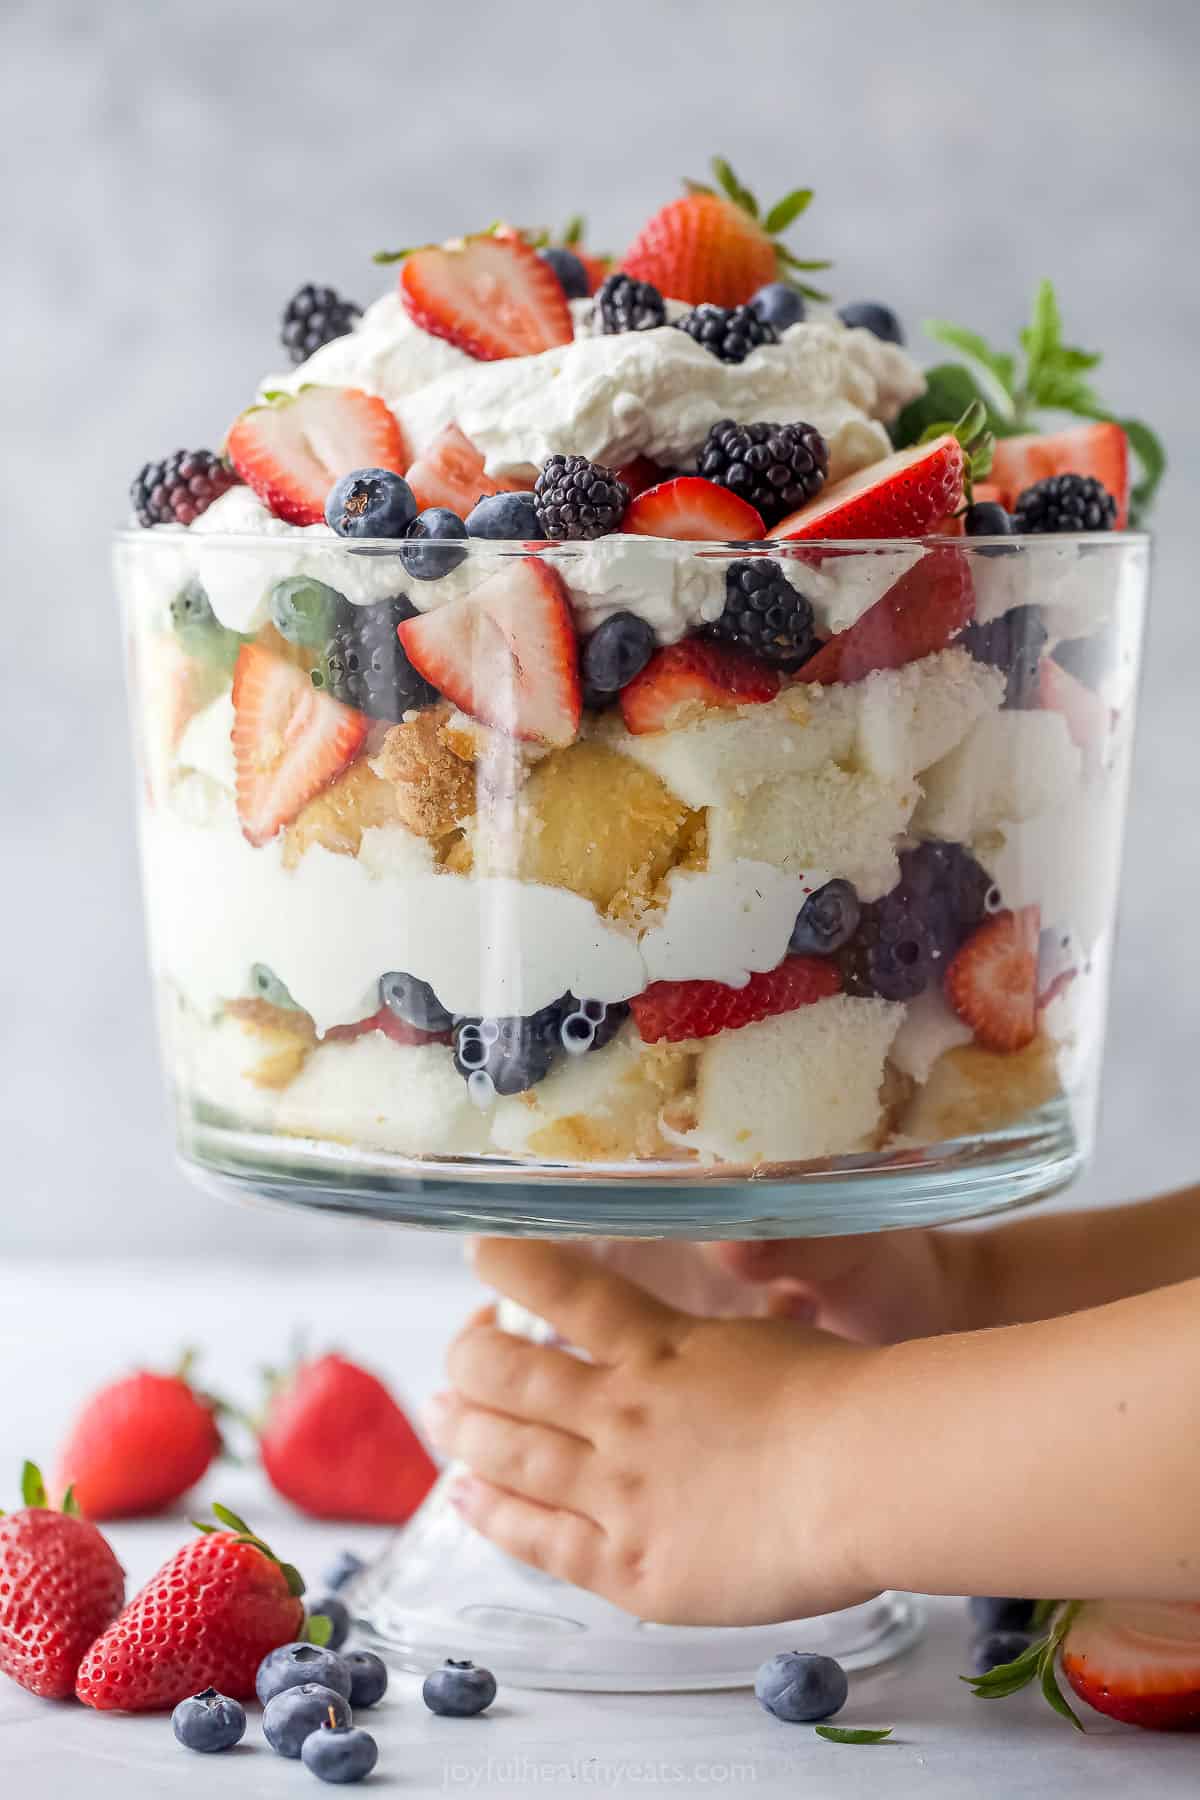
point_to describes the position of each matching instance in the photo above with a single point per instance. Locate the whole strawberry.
(139, 1444)
(60, 1585)
(336, 1444)
(207, 1619)
(714, 246)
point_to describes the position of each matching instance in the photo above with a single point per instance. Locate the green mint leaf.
(1061, 390)
(573, 231)
(849, 1734)
(1077, 360)
(1148, 449)
(1042, 339)
(390, 256)
(785, 212)
(996, 369)
(318, 1630)
(33, 1488)
(950, 388)
(729, 182)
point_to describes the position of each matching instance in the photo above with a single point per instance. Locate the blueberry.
(778, 304)
(428, 551)
(590, 1024)
(987, 518)
(267, 986)
(507, 1055)
(800, 1687)
(458, 1690)
(509, 516)
(996, 1647)
(827, 920)
(873, 317)
(200, 633)
(570, 271)
(339, 1753)
(297, 1712)
(343, 1568)
(301, 1665)
(413, 1002)
(989, 1612)
(209, 1721)
(368, 1677)
(338, 1614)
(305, 611)
(370, 503)
(615, 652)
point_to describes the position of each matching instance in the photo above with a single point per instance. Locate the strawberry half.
(639, 475)
(1089, 720)
(920, 614)
(676, 1010)
(693, 674)
(695, 510)
(908, 494)
(449, 472)
(492, 296)
(507, 654)
(1101, 450)
(289, 741)
(293, 448)
(1137, 1660)
(992, 981)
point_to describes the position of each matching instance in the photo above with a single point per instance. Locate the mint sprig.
(1035, 1664)
(1049, 375)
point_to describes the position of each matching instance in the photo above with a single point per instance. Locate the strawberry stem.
(244, 1535)
(1037, 1663)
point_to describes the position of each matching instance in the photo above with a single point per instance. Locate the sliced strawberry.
(921, 613)
(1089, 720)
(386, 1021)
(449, 472)
(507, 654)
(492, 296)
(992, 981)
(675, 1010)
(905, 495)
(1101, 450)
(294, 447)
(639, 475)
(685, 677)
(696, 510)
(1137, 1660)
(289, 741)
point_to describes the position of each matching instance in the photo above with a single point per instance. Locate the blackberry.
(623, 304)
(364, 664)
(730, 332)
(951, 891)
(315, 316)
(1012, 643)
(775, 467)
(179, 488)
(575, 498)
(1065, 503)
(892, 954)
(766, 615)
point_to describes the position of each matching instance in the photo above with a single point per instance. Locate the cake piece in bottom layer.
(380, 1095)
(796, 1087)
(604, 1106)
(971, 1090)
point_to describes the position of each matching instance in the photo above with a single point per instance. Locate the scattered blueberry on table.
(339, 1753)
(297, 1712)
(368, 1677)
(458, 1690)
(209, 1721)
(800, 1686)
(298, 1665)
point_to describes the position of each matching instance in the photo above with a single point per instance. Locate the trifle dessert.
(606, 716)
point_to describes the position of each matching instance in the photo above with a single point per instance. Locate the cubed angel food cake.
(573, 734)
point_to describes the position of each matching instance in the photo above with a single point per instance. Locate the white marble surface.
(62, 1329)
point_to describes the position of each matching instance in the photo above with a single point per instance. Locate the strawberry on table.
(60, 1586)
(289, 740)
(207, 1619)
(694, 510)
(676, 1010)
(1100, 450)
(139, 1444)
(507, 654)
(992, 981)
(922, 613)
(337, 1445)
(449, 472)
(1137, 1660)
(490, 295)
(294, 447)
(687, 677)
(906, 495)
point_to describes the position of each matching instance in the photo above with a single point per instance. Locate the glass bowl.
(733, 952)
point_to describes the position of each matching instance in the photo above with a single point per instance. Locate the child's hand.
(685, 1473)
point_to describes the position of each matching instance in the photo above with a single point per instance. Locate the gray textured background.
(172, 173)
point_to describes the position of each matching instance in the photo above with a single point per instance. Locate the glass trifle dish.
(592, 780)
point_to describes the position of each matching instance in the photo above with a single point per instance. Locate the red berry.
(337, 1445)
(289, 741)
(922, 613)
(703, 247)
(1101, 450)
(677, 1010)
(694, 674)
(60, 1586)
(1137, 1660)
(908, 494)
(695, 510)
(492, 296)
(139, 1444)
(291, 450)
(449, 472)
(992, 981)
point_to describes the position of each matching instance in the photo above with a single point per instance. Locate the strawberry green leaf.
(318, 1629)
(33, 1488)
(231, 1519)
(293, 1577)
(1043, 1612)
(802, 262)
(731, 186)
(1053, 1694)
(202, 1525)
(573, 231)
(854, 1734)
(1008, 1678)
(70, 1504)
(785, 212)
(697, 187)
